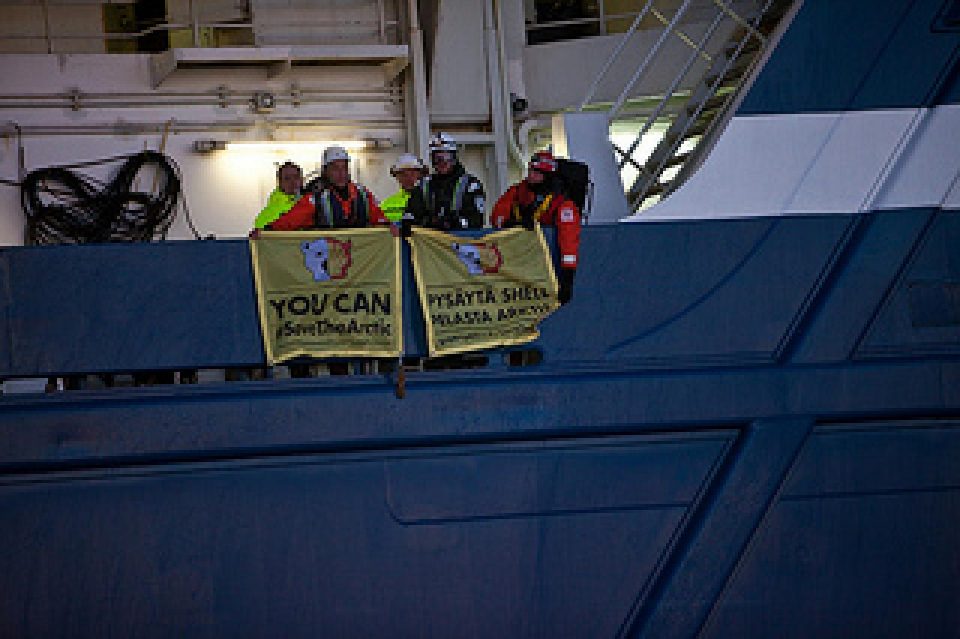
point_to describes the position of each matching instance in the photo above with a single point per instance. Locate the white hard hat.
(334, 153)
(443, 142)
(406, 161)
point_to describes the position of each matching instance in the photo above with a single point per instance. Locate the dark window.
(578, 18)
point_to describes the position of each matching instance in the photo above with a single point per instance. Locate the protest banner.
(485, 292)
(331, 293)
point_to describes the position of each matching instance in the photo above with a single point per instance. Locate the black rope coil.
(66, 207)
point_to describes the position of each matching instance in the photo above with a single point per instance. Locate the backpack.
(574, 182)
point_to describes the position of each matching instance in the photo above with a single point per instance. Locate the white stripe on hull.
(820, 163)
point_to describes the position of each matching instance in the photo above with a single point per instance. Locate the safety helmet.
(406, 161)
(334, 153)
(543, 161)
(442, 142)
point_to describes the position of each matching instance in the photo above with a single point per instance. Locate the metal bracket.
(74, 96)
(222, 93)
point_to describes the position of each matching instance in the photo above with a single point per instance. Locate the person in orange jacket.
(342, 203)
(538, 198)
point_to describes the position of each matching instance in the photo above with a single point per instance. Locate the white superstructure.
(274, 80)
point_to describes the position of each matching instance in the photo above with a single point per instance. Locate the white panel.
(584, 137)
(753, 170)
(315, 22)
(11, 215)
(458, 82)
(852, 159)
(929, 165)
(791, 164)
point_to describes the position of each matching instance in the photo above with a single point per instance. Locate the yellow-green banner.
(329, 293)
(484, 292)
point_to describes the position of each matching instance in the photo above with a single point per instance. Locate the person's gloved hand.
(565, 280)
(528, 222)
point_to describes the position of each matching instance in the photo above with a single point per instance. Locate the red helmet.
(543, 161)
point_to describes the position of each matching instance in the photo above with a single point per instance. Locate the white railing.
(44, 27)
(636, 190)
(671, 90)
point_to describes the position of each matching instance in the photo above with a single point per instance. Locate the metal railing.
(197, 26)
(654, 50)
(712, 88)
(671, 90)
(702, 106)
(602, 20)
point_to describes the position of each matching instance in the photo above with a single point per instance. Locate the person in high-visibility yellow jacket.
(407, 170)
(282, 199)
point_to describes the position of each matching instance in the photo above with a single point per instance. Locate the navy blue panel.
(856, 54)
(880, 567)
(915, 65)
(855, 291)
(721, 279)
(677, 294)
(256, 418)
(199, 310)
(922, 311)
(847, 459)
(622, 288)
(683, 595)
(541, 481)
(680, 294)
(307, 547)
(867, 550)
(950, 93)
(118, 307)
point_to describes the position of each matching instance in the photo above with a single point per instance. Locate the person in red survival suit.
(538, 198)
(341, 204)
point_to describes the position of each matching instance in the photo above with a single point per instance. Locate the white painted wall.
(23, 28)
(225, 190)
(316, 22)
(458, 78)
(583, 137)
(511, 20)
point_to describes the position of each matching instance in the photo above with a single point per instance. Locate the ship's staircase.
(671, 133)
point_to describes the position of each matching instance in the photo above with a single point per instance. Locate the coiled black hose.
(66, 207)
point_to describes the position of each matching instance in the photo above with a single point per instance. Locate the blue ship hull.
(765, 447)
(739, 428)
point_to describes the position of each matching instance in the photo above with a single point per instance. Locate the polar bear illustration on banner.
(479, 258)
(326, 258)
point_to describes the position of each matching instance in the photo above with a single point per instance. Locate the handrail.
(195, 25)
(687, 40)
(648, 59)
(673, 87)
(739, 19)
(616, 54)
(678, 140)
